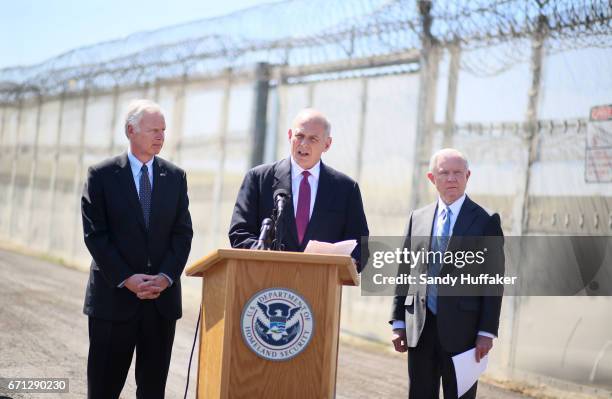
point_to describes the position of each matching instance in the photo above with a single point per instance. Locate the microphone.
(281, 196)
(263, 242)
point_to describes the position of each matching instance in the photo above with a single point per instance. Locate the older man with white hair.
(137, 228)
(431, 327)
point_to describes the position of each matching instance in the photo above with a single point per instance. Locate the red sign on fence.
(598, 157)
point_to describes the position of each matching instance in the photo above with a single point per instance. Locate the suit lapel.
(126, 182)
(282, 179)
(423, 223)
(320, 206)
(465, 218)
(159, 184)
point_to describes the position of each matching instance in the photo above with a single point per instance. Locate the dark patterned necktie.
(302, 215)
(144, 195)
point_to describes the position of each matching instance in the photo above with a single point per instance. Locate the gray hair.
(446, 151)
(135, 111)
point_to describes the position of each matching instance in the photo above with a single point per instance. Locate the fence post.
(54, 170)
(2, 127)
(114, 118)
(530, 141)
(361, 129)
(260, 113)
(156, 91)
(451, 96)
(219, 176)
(281, 114)
(310, 92)
(178, 122)
(16, 151)
(30, 230)
(428, 62)
(3, 147)
(78, 176)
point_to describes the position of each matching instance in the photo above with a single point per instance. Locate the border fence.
(512, 83)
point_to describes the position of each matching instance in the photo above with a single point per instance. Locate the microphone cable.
(192, 348)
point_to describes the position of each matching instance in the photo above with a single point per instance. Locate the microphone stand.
(279, 228)
(282, 198)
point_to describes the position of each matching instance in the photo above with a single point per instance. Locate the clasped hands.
(146, 286)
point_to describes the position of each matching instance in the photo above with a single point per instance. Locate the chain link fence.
(509, 82)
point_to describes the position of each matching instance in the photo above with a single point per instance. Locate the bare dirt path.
(43, 333)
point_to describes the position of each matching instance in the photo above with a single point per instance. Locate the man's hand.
(146, 286)
(399, 340)
(151, 288)
(483, 346)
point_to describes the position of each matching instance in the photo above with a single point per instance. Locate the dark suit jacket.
(119, 243)
(459, 317)
(337, 215)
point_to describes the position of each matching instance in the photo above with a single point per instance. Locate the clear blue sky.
(35, 30)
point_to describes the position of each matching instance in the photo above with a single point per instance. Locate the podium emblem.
(277, 324)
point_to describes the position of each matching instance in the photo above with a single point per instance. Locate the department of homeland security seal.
(277, 324)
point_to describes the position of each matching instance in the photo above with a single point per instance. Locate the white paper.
(327, 248)
(467, 371)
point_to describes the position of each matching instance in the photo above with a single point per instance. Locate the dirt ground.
(43, 333)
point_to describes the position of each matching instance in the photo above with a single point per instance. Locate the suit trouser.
(428, 362)
(111, 347)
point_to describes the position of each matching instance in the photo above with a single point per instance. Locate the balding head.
(310, 116)
(309, 137)
(449, 172)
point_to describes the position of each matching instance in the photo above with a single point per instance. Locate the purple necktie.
(303, 207)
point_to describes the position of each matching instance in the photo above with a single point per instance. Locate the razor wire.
(316, 32)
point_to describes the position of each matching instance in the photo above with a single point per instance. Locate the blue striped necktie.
(440, 242)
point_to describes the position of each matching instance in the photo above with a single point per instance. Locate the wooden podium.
(251, 299)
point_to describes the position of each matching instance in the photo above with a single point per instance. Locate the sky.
(33, 31)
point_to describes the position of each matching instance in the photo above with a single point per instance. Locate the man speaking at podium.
(321, 203)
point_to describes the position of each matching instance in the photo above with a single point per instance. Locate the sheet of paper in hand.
(467, 370)
(328, 248)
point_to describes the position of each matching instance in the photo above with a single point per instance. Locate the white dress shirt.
(296, 179)
(136, 167)
(455, 208)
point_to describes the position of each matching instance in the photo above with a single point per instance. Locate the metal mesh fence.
(509, 82)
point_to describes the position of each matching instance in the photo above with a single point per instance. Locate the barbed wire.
(311, 32)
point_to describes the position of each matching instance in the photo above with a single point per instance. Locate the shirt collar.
(135, 163)
(296, 170)
(455, 207)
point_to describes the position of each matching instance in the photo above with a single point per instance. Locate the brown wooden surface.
(348, 273)
(228, 368)
(310, 374)
(213, 345)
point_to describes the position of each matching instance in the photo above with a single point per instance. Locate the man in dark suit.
(326, 204)
(137, 228)
(430, 321)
